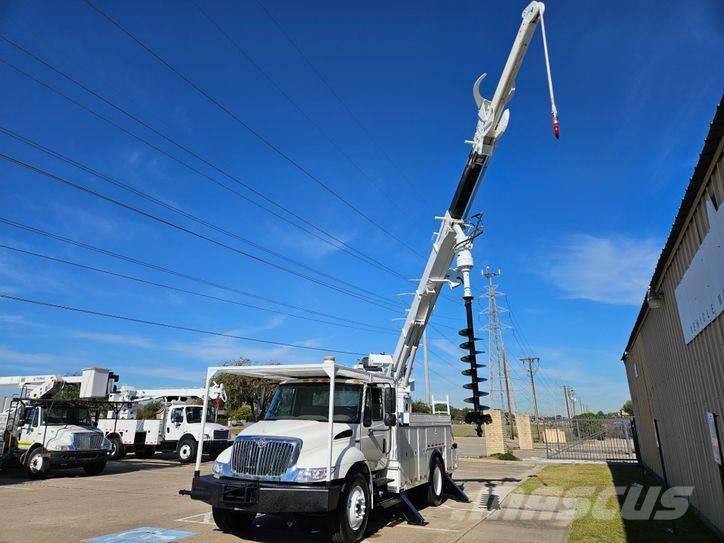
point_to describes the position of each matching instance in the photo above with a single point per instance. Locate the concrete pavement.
(71, 506)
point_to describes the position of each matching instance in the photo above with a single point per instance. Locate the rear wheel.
(187, 450)
(36, 464)
(95, 468)
(230, 521)
(353, 511)
(435, 484)
(118, 450)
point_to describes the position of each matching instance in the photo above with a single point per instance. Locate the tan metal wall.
(678, 383)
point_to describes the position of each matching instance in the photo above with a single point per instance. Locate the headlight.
(106, 444)
(310, 475)
(221, 464)
(64, 442)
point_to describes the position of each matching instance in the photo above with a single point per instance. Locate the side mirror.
(390, 419)
(261, 401)
(390, 401)
(366, 417)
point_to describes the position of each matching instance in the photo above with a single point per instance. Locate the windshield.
(193, 414)
(67, 415)
(310, 401)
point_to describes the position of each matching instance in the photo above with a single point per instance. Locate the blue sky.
(575, 224)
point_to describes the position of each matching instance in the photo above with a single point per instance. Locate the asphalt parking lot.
(133, 494)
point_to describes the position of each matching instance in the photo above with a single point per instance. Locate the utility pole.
(533, 365)
(426, 367)
(497, 356)
(567, 399)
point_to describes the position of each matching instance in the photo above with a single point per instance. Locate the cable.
(336, 242)
(294, 103)
(334, 93)
(168, 271)
(177, 210)
(186, 291)
(198, 235)
(172, 326)
(268, 143)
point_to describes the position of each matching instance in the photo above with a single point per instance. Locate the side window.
(35, 420)
(376, 403)
(177, 414)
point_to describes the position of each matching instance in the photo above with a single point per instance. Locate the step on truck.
(340, 441)
(176, 429)
(42, 433)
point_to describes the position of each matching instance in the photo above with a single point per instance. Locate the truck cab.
(182, 431)
(59, 434)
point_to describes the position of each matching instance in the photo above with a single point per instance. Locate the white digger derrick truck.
(40, 432)
(338, 441)
(177, 427)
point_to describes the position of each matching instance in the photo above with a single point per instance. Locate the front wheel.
(118, 450)
(353, 511)
(231, 521)
(187, 450)
(95, 468)
(36, 464)
(435, 485)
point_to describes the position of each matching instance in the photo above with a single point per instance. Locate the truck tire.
(186, 451)
(118, 450)
(36, 465)
(95, 468)
(142, 451)
(349, 523)
(232, 522)
(435, 483)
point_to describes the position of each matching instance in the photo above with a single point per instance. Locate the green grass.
(569, 479)
(464, 430)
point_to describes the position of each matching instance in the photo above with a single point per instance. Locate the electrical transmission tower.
(501, 390)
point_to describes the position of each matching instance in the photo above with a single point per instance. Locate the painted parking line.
(142, 535)
(203, 518)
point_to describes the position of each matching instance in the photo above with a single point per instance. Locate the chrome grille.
(263, 457)
(221, 434)
(88, 440)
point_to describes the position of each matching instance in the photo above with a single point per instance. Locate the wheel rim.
(437, 480)
(356, 507)
(36, 463)
(114, 448)
(185, 451)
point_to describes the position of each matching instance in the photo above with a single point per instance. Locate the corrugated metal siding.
(677, 383)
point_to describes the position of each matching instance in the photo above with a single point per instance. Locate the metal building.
(675, 356)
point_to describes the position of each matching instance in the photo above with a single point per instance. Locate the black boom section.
(467, 184)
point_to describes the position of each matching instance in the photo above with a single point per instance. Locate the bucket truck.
(338, 441)
(177, 427)
(41, 433)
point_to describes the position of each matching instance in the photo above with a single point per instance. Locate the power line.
(268, 143)
(198, 235)
(177, 210)
(169, 325)
(335, 242)
(296, 105)
(339, 99)
(369, 328)
(168, 271)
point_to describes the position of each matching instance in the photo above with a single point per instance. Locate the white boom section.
(452, 239)
(131, 394)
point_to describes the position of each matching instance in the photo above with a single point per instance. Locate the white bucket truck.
(339, 441)
(177, 428)
(41, 433)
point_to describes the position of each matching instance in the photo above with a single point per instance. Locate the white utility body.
(339, 441)
(41, 433)
(177, 426)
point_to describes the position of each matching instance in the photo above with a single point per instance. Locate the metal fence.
(608, 440)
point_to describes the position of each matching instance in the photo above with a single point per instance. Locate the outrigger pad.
(454, 490)
(412, 515)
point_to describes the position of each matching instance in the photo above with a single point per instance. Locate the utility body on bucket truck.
(40, 433)
(177, 427)
(340, 441)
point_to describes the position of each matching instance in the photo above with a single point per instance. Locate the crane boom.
(455, 236)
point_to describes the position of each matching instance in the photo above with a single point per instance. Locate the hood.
(313, 434)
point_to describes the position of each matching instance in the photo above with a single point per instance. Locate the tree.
(242, 390)
(420, 407)
(628, 408)
(148, 410)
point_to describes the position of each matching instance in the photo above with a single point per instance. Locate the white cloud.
(117, 339)
(168, 372)
(613, 270)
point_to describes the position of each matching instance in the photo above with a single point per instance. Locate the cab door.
(375, 435)
(30, 431)
(175, 423)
